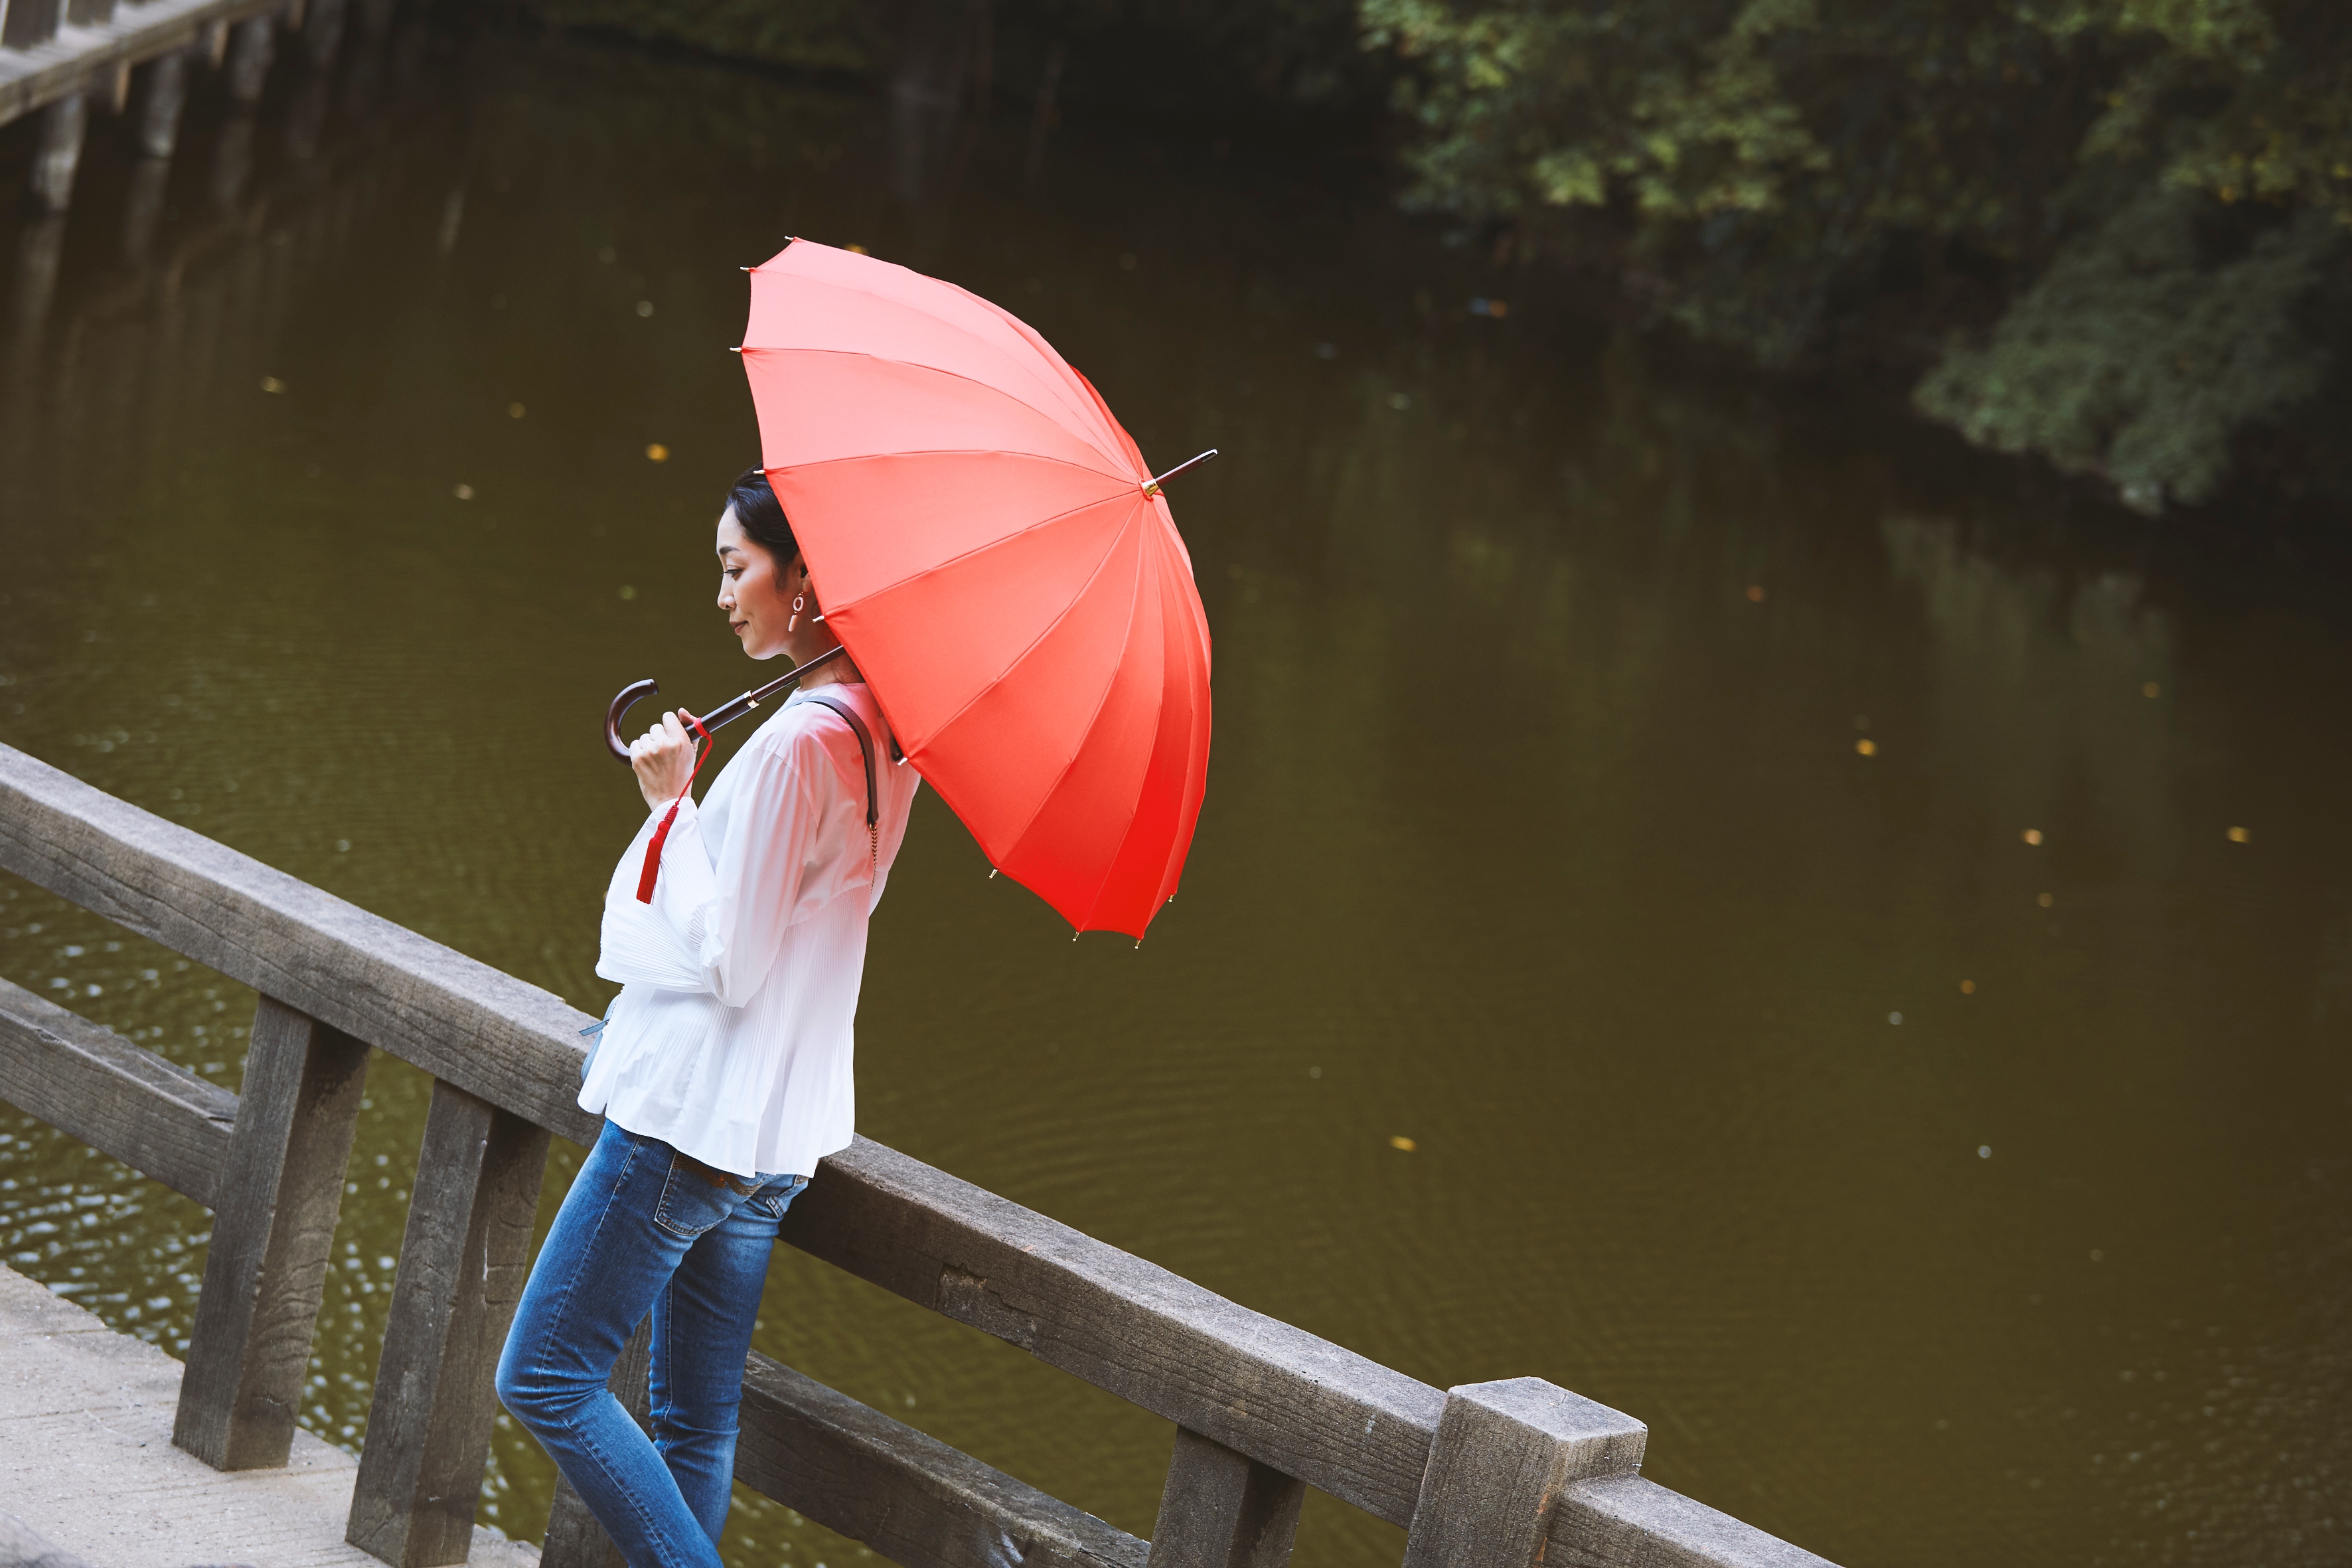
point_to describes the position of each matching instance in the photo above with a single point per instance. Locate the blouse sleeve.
(719, 912)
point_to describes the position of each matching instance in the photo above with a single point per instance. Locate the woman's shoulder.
(802, 730)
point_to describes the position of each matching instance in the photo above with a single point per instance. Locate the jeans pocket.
(691, 1202)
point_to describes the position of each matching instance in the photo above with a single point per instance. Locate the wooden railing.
(63, 57)
(1493, 1475)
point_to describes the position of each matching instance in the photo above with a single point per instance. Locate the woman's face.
(756, 591)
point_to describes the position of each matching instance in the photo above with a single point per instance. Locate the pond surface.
(1707, 894)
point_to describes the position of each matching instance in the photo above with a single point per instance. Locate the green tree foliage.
(816, 34)
(2147, 197)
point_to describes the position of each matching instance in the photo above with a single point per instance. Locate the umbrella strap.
(866, 749)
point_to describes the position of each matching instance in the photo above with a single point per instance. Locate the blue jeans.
(644, 1228)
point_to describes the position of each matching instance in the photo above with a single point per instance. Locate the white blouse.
(732, 1037)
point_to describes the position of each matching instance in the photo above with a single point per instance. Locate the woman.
(722, 1070)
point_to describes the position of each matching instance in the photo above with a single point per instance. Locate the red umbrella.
(1001, 565)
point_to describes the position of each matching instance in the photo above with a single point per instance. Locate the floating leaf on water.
(271, 383)
(1754, 592)
(2150, 689)
(628, 591)
(2045, 899)
(464, 492)
(855, 250)
(1400, 1140)
(1968, 987)
(657, 453)
(514, 410)
(2032, 836)
(2239, 835)
(1867, 748)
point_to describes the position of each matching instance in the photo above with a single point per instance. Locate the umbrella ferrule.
(1151, 486)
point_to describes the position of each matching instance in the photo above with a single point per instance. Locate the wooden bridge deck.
(87, 1460)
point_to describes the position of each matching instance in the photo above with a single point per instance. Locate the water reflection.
(1539, 833)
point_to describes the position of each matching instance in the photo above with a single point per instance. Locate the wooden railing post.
(25, 23)
(1504, 1452)
(462, 1264)
(63, 125)
(248, 61)
(1223, 1510)
(574, 1539)
(249, 1352)
(167, 96)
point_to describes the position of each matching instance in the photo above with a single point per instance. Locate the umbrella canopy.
(991, 550)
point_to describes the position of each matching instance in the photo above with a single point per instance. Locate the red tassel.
(647, 878)
(653, 857)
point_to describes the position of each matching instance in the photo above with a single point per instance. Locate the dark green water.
(1539, 831)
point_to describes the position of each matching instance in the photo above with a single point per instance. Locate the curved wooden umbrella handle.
(628, 697)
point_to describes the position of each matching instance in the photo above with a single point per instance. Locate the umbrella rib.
(1110, 866)
(1027, 648)
(1134, 593)
(1029, 334)
(1083, 438)
(978, 550)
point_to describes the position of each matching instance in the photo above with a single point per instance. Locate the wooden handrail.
(1283, 1403)
(68, 56)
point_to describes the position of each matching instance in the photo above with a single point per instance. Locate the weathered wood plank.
(493, 1035)
(90, 1083)
(574, 1539)
(273, 1224)
(1221, 1509)
(1627, 1521)
(910, 1498)
(1295, 1403)
(50, 62)
(462, 1264)
(1505, 1451)
(86, 1458)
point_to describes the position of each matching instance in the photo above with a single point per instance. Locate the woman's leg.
(702, 1330)
(606, 1259)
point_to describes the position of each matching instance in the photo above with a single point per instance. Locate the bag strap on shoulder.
(865, 748)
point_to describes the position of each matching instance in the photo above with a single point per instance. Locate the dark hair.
(761, 517)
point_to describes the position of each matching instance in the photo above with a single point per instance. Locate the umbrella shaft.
(729, 711)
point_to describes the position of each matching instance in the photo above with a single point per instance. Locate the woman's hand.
(663, 760)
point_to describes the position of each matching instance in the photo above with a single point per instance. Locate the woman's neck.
(832, 673)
